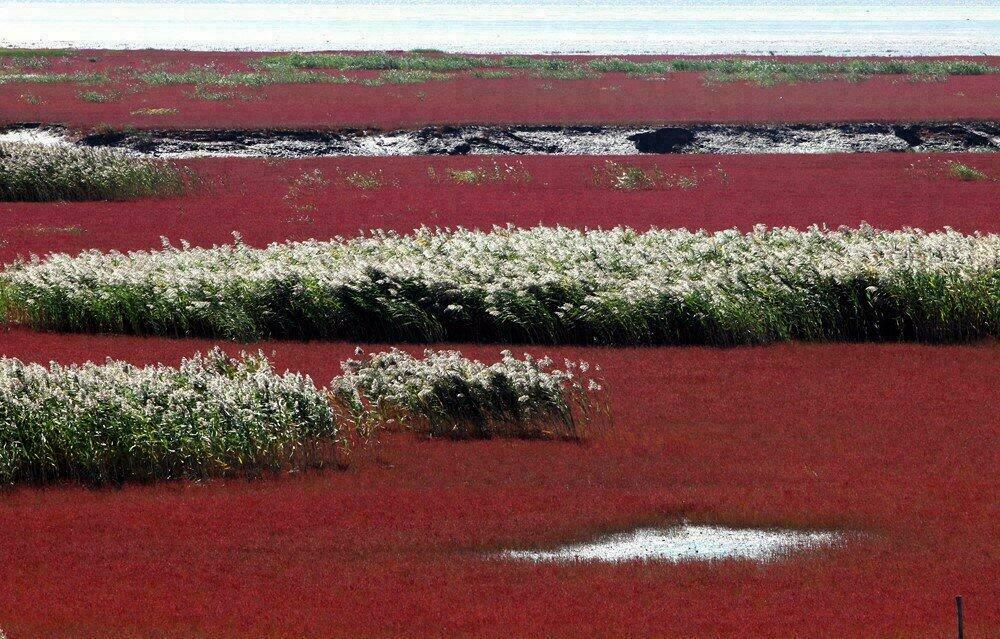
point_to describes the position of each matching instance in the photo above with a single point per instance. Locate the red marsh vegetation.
(892, 441)
(274, 200)
(523, 98)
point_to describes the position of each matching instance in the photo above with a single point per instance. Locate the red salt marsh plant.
(806, 436)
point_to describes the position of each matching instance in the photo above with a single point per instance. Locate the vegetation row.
(540, 285)
(419, 67)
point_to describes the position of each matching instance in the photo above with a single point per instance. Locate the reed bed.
(217, 415)
(538, 285)
(447, 395)
(41, 173)
(214, 415)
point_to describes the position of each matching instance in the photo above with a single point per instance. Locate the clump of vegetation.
(154, 111)
(948, 169)
(574, 73)
(39, 173)
(534, 64)
(966, 173)
(411, 76)
(767, 72)
(98, 96)
(39, 229)
(447, 395)
(496, 172)
(630, 177)
(203, 93)
(373, 62)
(208, 75)
(54, 78)
(491, 75)
(305, 190)
(33, 62)
(543, 285)
(366, 181)
(214, 415)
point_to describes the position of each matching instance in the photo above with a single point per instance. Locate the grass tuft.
(630, 177)
(966, 173)
(495, 172)
(8, 52)
(98, 97)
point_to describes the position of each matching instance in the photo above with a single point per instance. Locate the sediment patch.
(980, 137)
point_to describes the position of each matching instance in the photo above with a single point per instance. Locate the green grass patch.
(54, 78)
(374, 62)
(770, 72)
(217, 415)
(364, 180)
(36, 173)
(19, 53)
(492, 75)
(154, 111)
(412, 76)
(209, 76)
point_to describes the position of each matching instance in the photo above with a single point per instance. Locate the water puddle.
(685, 542)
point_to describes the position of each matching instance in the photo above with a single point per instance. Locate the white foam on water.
(686, 542)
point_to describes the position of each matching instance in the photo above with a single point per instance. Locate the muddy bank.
(983, 137)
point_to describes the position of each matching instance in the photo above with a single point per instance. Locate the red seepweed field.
(895, 444)
(611, 98)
